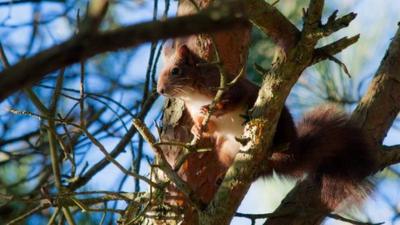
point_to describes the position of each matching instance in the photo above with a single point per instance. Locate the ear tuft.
(186, 55)
(168, 49)
(183, 51)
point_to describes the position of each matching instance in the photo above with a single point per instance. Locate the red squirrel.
(325, 145)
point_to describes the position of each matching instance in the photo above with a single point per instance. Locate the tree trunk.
(201, 171)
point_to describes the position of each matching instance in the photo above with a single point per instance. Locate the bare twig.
(115, 162)
(28, 213)
(117, 150)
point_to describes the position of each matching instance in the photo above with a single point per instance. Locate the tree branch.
(80, 181)
(390, 155)
(327, 51)
(166, 167)
(260, 130)
(273, 23)
(15, 2)
(85, 45)
(381, 104)
(334, 24)
(375, 114)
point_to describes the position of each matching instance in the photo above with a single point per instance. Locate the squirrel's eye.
(176, 71)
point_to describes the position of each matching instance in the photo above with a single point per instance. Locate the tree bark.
(202, 171)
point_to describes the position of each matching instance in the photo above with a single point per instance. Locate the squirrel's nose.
(161, 90)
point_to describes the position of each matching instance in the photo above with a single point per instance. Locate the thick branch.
(381, 104)
(260, 130)
(271, 21)
(81, 47)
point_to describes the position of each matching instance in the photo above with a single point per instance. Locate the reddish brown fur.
(326, 146)
(332, 150)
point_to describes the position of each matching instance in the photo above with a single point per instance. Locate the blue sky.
(376, 30)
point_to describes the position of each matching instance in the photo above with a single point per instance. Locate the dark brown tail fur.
(332, 150)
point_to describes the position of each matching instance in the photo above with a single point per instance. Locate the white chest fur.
(227, 126)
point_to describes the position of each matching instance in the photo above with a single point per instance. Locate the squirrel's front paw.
(204, 109)
(217, 111)
(203, 132)
(197, 131)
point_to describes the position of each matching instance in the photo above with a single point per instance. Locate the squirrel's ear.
(183, 51)
(185, 54)
(168, 49)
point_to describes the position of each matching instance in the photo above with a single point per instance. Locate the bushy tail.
(334, 152)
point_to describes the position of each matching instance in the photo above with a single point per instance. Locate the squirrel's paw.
(217, 111)
(204, 132)
(197, 131)
(204, 109)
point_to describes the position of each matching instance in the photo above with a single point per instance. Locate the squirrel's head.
(178, 76)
